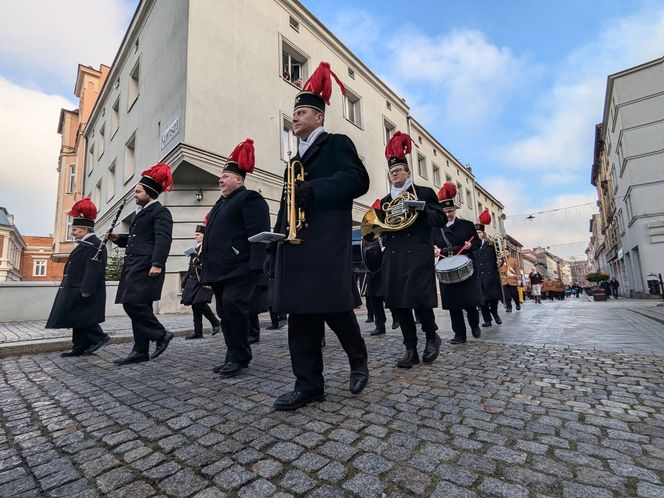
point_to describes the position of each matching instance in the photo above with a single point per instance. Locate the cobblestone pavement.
(485, 419)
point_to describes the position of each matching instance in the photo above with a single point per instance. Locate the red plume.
(377, 204)
(244, 156)
(485, 217)
(161, 173)
(399, 145)
(320, 82)
(84, 208)
(447, 191)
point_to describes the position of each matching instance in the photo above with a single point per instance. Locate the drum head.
(452, 263)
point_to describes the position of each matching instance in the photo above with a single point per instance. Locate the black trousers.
(305, 333)
(408, 328)
(200, 310)
(370, 307)
(84, 337)
(378, 310)
(275, 318)
(232, 296)
(458, 323)
(254, 325)
(489, 309)
(511, 293)
(144, 325)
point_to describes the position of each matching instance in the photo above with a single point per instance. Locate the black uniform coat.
(147, 244)
(486, 268)
(408, 261)
(316, 276)
(81, 275)
(464, 294)
(226, 251)
(193, 292)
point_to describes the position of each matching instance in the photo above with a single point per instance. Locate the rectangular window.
(388, 104)
(129, 159)
(479, 207)
(388, 130)
(102, 140)
(288, 140)
(91, 156)
(628, 207)
(621, 220)
(71, 184)
(293, 65)
(469, 197)
(134, 89)
(352, 108)
(110, 182)
(436, 175)
(115, 117)
(97, 197)
(68, 235)
(39, 268)
(493, 219)
(421, 166)
(351, 74)
(459, 193)
(292, 22)
(448, 178)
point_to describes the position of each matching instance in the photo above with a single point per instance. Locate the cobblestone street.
(563, 399)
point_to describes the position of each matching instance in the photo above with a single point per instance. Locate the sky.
(513, 88)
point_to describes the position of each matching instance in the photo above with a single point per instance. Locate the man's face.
(141, 196)
(480, 234)
(198, 237)
(450, 213)
(399, 175)
(229, 183)
(78, 232)
(306, 120)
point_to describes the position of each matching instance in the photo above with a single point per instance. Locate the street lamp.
(199, 195)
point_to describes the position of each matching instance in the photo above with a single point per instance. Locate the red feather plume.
(377, 205)
(399, 145)
(485, 217)
(244, 155)
(320, 82)
(447, 191)
(84, 208)
(162, 174)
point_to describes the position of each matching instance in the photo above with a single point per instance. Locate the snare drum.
(454, 269)
(365, 260)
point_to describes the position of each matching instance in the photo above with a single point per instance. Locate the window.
(288, 139)
(39, 268)
(68, 235)
(419, 139)
(388, 104)
(493, 219)
(102, 140)
(292, 22)
(479, 207)
(293, 65)
(388, 130)
(97, 197)
(351, 74)
(115, 117)
(129, 159)
(613, 177)
(352, 108)
(448, 178)
(436, 175)
(110, 182)
(91, 157)
(422, 166)
(628, 207)
(435, 152)
(621, 221)
(71, 184)
(459, 193)
(133, 92)
(469, 197)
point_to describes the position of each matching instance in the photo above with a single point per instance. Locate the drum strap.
(447, 241)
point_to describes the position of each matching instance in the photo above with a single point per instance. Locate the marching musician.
(231, 264)
(509, 274)
(81, 298)
(146, 249)
(458, 236)
(486, 266)
(195, 294)
(314, 279)
(408, 265)
(536, 280)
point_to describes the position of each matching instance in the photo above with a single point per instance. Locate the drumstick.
(461, 250)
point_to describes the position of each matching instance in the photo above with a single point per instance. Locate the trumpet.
(296, 218)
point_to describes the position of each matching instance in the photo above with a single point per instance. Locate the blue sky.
(514, 88)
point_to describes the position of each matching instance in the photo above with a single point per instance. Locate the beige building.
(187, 85)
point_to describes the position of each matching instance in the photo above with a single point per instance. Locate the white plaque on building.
(170, 132)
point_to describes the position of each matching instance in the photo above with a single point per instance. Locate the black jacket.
(147, 244)
(193, 292)
(408, 259)
(226, 251)
(464, 294)
(316, 276)
(535, 278)
(81, 275)
(486, 268)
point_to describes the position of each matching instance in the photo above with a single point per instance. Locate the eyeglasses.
(395, 171)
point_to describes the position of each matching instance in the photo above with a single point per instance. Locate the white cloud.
(357, 28)
(28, 176)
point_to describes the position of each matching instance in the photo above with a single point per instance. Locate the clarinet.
(104, 239)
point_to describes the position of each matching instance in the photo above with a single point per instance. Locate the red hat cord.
(162, 174)
(447, 191)
(485, 217)
(243, 155)
(320, 82)
(399, 145)
(84, 208)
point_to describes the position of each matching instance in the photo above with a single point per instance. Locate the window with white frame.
(129, 159)
(134, 86)
(459, 193)
(493, 219)
(469, 197)
(71, 184)
(70, 223)
(293, 64)
(39, 268)
(115, 117)
(102, 140)
(421, 166)
(110, 182)
(91, 156)
(388, 130)
(436, 175)
(97, 197)
(288, 139)
(621, 221)
(352, 108)
(628, 207)
(479, 207)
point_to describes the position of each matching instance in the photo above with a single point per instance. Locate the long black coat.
(464, 294)
(316, 276)
(226, 251)
(408, 261)
(81, 275)
(488, 278)
(193, 292)
(147, 244)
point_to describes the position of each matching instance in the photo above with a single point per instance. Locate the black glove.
(268, 265)
(304, 194)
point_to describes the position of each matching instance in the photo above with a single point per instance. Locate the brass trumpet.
(397, 217)
(295, 216)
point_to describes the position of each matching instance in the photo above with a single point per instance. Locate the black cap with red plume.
(484, 219)
(84, 213)
(241, 161)
(396, 149)
(317, 90)
(157, 179)
(446, 195)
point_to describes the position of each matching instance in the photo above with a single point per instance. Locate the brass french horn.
(397, 217)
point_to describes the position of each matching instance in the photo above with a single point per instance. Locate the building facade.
(11, 248)
(187, 85)
(579, 271)
(36, 262)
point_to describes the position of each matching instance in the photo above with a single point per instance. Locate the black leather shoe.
(431, 350)
(253, 339)
(194, 336)
(359, 378)
(134, 357)
(272, 327)
(97, 346)
(369, 320)
(230, 369)
(508, 310)
(218, 368)
(497, 319)
(295, 399)
(518, 308)
(162, 344)
(73, 352)
(458, 340)
(486, 324)
(378, 331)
(395, 324)
(476, 331)
(216, 330)
(409, 359)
